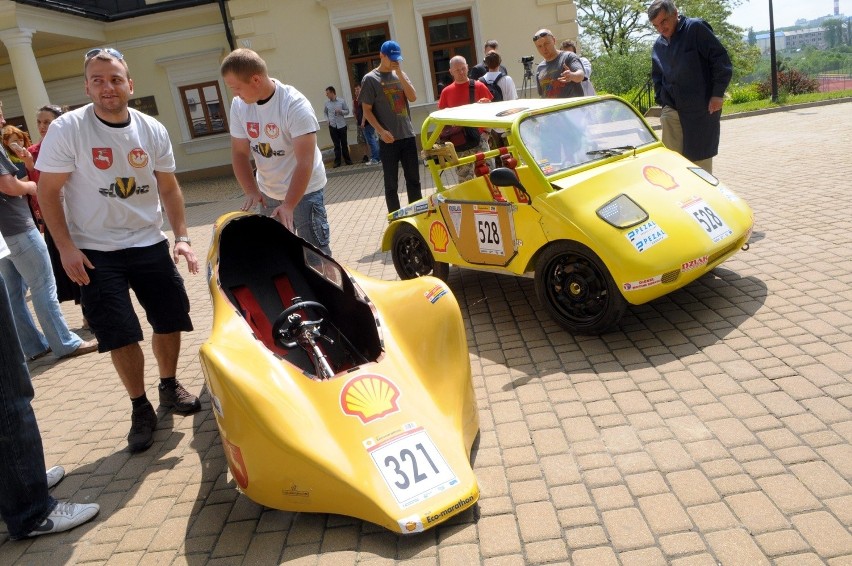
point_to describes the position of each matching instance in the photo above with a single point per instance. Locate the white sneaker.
(373, 162)
(55, 475)
(66, 516)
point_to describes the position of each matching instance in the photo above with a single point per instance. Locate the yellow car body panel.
(573, 162)
(386, 440)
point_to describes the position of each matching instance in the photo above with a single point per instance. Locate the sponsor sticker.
(369, 397)
(659, 178)
(643, 283)
(235, 462)
(694, 263)
(455, 216)
(435, 293)
(271, 130)
(646, 235)
(438, 236)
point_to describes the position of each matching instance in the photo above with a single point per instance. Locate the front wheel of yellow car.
(411, 255)
(576, 289)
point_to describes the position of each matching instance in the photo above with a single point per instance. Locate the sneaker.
(365, 159)
(143, 424)
(178, 398)
(85, 347)
(66, 515)
(374, 162)
(55, 475)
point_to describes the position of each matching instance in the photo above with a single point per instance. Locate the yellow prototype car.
(327, 397)
(582, 196)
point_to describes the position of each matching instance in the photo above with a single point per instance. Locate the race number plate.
(708, 219)
(488, 232)
(412, 467)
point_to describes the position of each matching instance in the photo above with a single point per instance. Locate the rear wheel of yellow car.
(576, 289)
(412, 257)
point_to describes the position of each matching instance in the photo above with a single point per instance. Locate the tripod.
(528, 75)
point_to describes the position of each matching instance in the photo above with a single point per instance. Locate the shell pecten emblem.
(658, 177)
(439, 236)
(369, 397)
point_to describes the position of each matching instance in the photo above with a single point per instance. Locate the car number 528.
(412, 467)
(711, 222)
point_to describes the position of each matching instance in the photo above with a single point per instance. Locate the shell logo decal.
(439, 236)
(369, 397)
(659, 178)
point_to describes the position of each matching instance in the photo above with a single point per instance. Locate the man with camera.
(561, 73)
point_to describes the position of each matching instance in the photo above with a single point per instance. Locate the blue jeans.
(403, 152)
(309, 217)
(372, 141)
(29, 266)
(24, 501)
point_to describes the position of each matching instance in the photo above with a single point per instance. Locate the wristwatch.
(184, 239)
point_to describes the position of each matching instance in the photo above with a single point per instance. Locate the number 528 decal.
(711, 222)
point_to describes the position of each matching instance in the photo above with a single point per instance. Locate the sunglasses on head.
(108, 50)
(538, 36)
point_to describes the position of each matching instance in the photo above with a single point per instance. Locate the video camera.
(527, 60)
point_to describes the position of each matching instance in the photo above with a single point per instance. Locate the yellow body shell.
(387, 440)
(667, 250)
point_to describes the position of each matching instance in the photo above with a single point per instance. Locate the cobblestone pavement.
(713, 427)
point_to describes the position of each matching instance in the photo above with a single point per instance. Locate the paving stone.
(789, 494)
(735, 547)
(712, 517)
(781, 542)
(537, 521)
(498, 535)
(601, 556)
(664, 514)
(627, 529)
(682, 543)
(692, 487)
(821, 479)
(757, 512)
(822, 531)
(643, 557)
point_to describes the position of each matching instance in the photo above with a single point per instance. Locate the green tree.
(833, 32)
(614, 26)
(752, 37)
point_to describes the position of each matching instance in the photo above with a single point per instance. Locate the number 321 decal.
(412, 467)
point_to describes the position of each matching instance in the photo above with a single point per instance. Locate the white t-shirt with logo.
(270, 129)
(111, 198)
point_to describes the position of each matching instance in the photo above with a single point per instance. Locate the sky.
(755, 13)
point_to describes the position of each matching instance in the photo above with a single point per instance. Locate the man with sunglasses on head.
(115, 168)
(560, 74)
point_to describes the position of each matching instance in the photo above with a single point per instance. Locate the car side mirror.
(505, 177)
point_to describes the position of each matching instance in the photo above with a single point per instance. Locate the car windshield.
(567, 138)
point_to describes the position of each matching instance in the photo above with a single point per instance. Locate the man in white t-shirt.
(115, 168)
(277, 124)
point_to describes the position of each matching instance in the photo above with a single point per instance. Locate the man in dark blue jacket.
(691, 70)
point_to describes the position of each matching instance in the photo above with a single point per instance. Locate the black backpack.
(496, 91)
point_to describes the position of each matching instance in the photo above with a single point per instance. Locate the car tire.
(411, 255)
(576, 289)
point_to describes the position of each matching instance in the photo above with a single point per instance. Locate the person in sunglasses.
(560, 74)
(115, 167)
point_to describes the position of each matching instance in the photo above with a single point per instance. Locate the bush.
(791, 81)
(745, 93)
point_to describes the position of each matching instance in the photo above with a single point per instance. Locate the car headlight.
(622, 212)
(705, 175)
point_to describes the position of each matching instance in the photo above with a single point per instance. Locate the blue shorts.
(154, 278)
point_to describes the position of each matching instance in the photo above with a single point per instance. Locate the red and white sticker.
(643, 283)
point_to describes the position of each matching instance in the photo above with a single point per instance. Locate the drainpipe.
(227, 23)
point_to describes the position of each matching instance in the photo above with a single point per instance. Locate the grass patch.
(784, 100)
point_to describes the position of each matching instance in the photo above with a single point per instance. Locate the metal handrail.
(644, 99)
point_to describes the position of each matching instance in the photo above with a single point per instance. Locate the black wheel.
(284, 331)
(576, 289)
(411, 255)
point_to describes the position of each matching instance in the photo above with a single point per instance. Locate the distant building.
(799, 39)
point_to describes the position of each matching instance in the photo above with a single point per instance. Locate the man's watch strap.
(184, 239)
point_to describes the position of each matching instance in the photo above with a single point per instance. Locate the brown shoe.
(85, 347)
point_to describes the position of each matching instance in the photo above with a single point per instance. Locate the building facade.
(174, 49)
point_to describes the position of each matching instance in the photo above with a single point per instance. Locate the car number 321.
(412, 467)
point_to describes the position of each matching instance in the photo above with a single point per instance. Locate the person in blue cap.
(386, 92)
